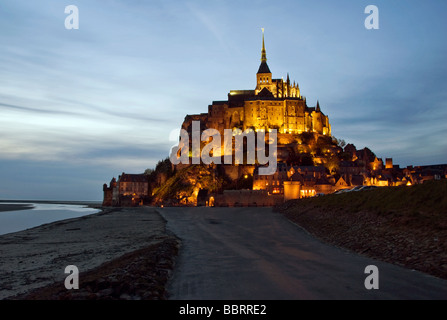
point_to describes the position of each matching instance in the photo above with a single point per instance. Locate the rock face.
(183, 188)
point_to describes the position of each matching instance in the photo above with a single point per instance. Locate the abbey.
(302, 158)
(273, 104)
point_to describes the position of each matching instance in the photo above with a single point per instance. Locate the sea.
(40, 213)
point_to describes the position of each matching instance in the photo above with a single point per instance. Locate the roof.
(220, 102)
(243, 92)
(264, 68)
(265, 93)
(126, 177)
(297, 177)
(322, 181)
(310, 168)
(340, 181)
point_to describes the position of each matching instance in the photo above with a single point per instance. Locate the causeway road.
(257, 254)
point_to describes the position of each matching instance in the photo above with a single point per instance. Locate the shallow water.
(41, 213)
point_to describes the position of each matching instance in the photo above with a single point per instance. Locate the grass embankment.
(401, 225)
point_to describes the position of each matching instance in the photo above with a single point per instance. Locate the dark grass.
(428, 199)
(402, 225)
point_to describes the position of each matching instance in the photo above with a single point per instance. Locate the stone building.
(129, 190)
(294, 181)
(309, 162)
(272, 104)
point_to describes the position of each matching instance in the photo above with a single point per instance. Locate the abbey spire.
(263, 52)
(263, 68)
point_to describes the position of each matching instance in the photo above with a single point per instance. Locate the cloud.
(108, 95)
(71, 148)
(35, 110)
(211, 21)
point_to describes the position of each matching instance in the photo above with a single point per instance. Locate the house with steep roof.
(341, 184)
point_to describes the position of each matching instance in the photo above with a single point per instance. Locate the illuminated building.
(273, 104)
(129, 190)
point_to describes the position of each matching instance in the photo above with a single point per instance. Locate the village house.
(128, 191)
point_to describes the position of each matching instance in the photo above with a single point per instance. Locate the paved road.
(254, 253)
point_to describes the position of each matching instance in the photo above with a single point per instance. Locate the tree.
(340, 142)
(306, 160)
(332, 163)
(148, 172)
(245, 182)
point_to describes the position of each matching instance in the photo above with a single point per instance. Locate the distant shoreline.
(73, 202)
(16, 217)
(14, 207)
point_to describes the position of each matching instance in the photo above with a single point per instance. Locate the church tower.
(264, 76)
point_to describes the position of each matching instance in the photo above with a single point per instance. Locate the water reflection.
(40, 213)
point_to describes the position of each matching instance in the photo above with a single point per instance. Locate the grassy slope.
(429, 198)
(402, 225)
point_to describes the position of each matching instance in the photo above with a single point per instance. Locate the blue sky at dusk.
(78, 107)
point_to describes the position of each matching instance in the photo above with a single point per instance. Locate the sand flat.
(14, 207)
(37, 257)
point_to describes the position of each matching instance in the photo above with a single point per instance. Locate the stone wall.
(246, 198)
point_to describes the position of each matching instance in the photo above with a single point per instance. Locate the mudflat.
(14, 207)
(37, 257)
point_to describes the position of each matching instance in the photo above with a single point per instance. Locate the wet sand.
(37, 257)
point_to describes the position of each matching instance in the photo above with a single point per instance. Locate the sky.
(80, 106)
